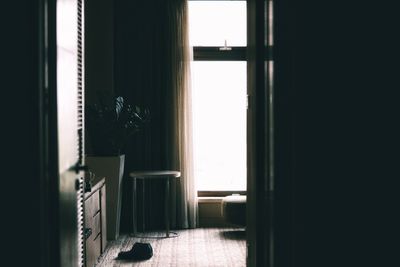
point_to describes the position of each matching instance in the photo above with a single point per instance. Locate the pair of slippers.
(139, 251)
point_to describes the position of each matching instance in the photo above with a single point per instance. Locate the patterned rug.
(201, 247)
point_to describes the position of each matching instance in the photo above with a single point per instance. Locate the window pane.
(219, 124)
(213, 22)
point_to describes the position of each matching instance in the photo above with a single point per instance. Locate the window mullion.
(213, 53)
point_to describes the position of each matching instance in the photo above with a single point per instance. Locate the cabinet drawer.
(92, 205)
(96, 225)
(92, 250)
(103, 219)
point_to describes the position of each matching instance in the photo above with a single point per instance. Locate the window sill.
(209, 199)
(219, 193)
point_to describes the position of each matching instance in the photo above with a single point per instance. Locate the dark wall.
(99, 50)
(20, 113)
(99, 57)
(335, 133)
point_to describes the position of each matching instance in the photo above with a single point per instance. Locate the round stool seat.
(234, 209)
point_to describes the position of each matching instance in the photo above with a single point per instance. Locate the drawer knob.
(88, 232)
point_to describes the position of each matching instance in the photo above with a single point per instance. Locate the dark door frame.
(51, 189)
(48, 133)
(270, 212)
(259, 191)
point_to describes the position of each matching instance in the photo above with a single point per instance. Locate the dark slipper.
(139, 251)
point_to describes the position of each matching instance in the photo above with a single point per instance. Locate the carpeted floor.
(201, 247)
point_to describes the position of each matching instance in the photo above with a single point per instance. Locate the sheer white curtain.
(181, 144)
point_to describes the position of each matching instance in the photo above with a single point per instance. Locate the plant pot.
(112, 169)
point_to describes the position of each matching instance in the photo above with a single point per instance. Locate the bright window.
(219, 96)
(213, 22)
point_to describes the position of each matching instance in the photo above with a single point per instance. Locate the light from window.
(219, 125)
(213, 22)
(219, 97)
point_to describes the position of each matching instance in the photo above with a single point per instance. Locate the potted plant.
(109, 130)
(110, 127)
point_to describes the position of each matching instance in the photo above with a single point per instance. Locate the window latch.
(225, 47)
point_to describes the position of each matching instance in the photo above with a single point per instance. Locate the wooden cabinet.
(95, 222)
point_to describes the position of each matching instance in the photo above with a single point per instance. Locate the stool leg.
(134, 209)
(143, 212)
(167, 206)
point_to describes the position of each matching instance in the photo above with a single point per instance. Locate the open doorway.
(219, 90)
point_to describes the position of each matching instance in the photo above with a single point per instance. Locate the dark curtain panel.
(152, 67)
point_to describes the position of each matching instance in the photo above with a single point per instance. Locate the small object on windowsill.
(225, 47)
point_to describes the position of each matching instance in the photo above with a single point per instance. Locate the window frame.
(214, 53)
(219, 193)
